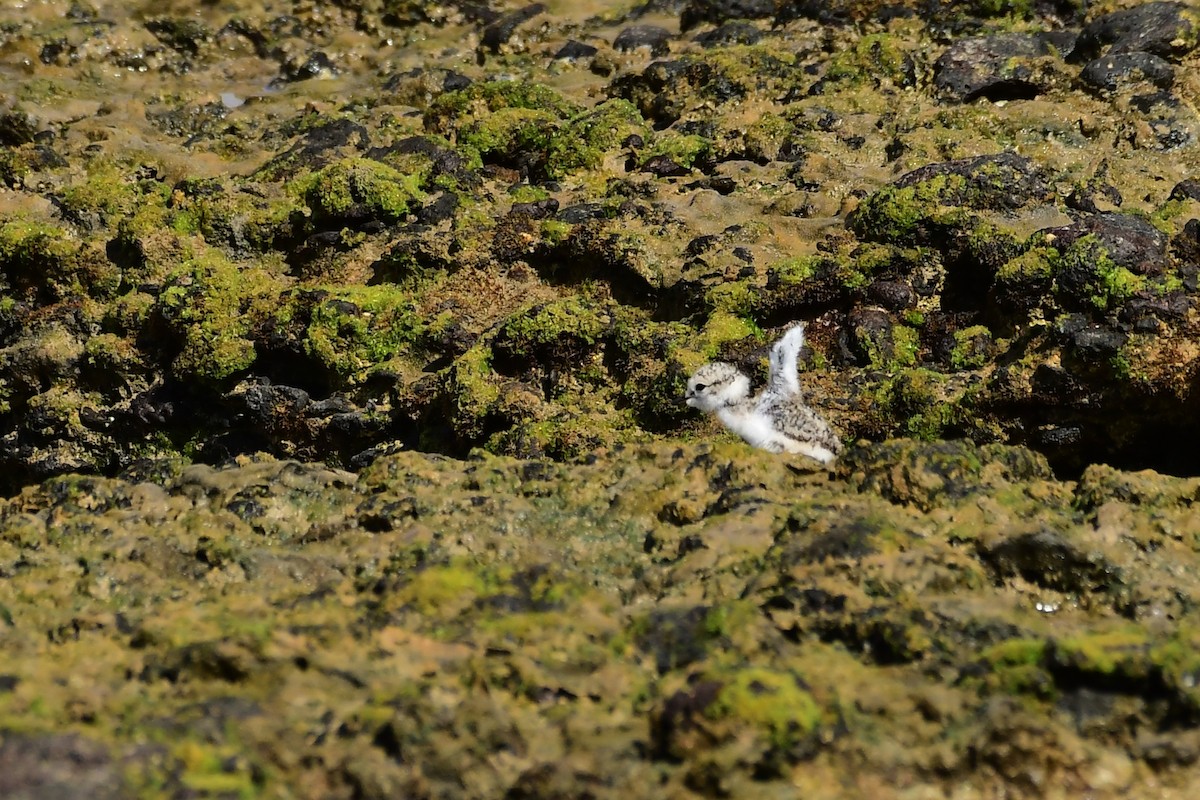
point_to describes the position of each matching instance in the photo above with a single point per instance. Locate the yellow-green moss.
(568, 435)
(965, 354)
(442, 591)
(904, 345)
(902, 214)
(1124, 650)
(508, 132)
(1179, 660)
(215, 770)
(212, 305)
(1016, 651)
(355, 328)
(793, 271)
(472, 388)
(1017, 667)
(527, 332)
(739, 298)
(873, 58)
(385, 192)
(723, 328)
(482, 97)
(914, 403)
(528, 193)
(111, 353)
(586, 138)
(1036, 263)
(684, 149)
(1111, 284)
(40, 255)
(553, 232)
(765, 137)
(1096, 281)
(769, 700)
(107, 190)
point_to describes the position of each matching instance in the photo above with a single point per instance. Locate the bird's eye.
(700, 387)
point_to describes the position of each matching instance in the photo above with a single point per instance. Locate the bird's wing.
(784, 379)
(797, 421)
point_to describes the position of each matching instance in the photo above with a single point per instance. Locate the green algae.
(550, 332)
(211, 304)
(738, 298)
(382, 191)
(444, 590)
(490, 96)
(721, 329)
(903, 215)
(45, 259)
(504, 134)
(772, 701)
(586, 138)
(873, 58)
(355, 329)
(569, 434)
(1113, 653)
(684, 149)
(472, 388)
(1108, 284)
(1084, 274)
(915, 402)
(108, 190)
(1018, 667)
(971, 347)
(538, 599)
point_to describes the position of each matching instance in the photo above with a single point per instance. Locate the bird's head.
(716, 385)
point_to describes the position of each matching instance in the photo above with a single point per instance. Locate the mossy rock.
(555, 335)
(356, 190)
(930, 205)
(872, 60)
(586, 138)
(47, 263)
(697, 83)
(767, 718)
(479, 99)
(354, 330)
(931, 474)
(210, 306)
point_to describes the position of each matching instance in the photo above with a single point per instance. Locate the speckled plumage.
(777, 419)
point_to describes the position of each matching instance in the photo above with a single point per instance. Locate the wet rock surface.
(690, 619)
(384, 236)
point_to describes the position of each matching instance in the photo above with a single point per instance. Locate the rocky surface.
(656, 621)
(239, 240)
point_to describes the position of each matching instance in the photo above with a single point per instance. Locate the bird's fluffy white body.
(778, 419)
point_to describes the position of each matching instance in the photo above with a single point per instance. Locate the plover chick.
(777, 419)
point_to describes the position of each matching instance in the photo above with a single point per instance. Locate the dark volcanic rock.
(1130, 241)
(1011, 66)
(1003, 181)
(575, 50)
(718, 11)
(496, 34)
(1165, 29)
(1124, 70)
(866, 337)
(735, 32)
(1047, 558)
(656, 39)
(16, 129)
